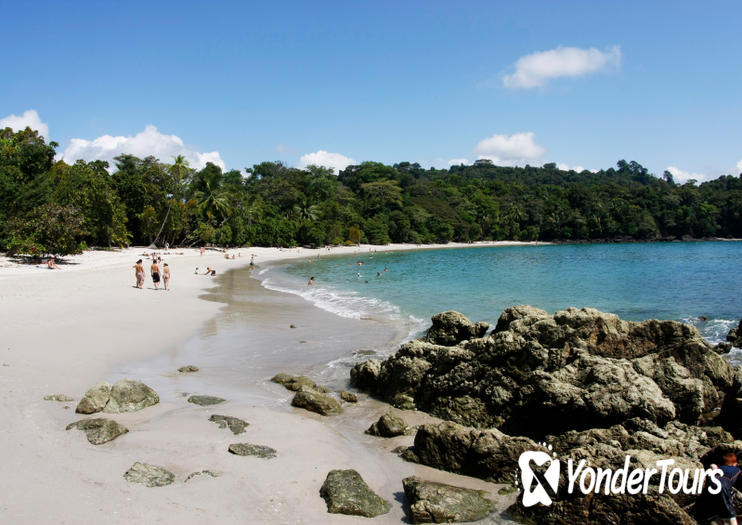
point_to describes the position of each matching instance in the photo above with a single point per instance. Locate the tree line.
(51, 207)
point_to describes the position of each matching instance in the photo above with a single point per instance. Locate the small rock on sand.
(58, 397)
(99, 430)
(205, 400)
(345, 492)
(249, 449)
(316, 402)
(348, 397)
(149, 475)
(188, 368)
(431, 502)
(236, 425)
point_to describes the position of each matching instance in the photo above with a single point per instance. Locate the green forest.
(50, 207)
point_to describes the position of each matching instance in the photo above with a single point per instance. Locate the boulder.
(735, 335)
(205, 400)
(296, 383)
(94, 399)
(365, 375)
(249, 449)
(128, 395)
(316, 402)
(188, 369)
(236, 425)
(450, 328)
(388, 425)
(345, 492)
(348, 397)
(62, 398)
(99, 430)
(149, 475)
(431, 502)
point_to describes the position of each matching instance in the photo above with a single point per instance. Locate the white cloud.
(536, 69)
(509, 150)
(739, 165)
(682, 177)
(29, 119)
(458, 162)
(566, 167)
(147, 142)
(325, 158)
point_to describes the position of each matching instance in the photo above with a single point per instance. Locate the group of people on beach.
(155, 272)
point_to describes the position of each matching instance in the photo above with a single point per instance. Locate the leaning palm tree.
(180, 164)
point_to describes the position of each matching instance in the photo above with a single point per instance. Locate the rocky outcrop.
(205, 401)
(149, 475)
(316, 402)
(388, 425)
(345, 492)
(125, 395)
(249, 449)
(99, 430)
(735, 335)
(450, 328)
(431, 502)
(236, 425)
(539, 373)
(188, 369)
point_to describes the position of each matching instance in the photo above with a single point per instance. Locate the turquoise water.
(681, 281)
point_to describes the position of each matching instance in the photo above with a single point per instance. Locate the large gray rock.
(128, 395)
(94, 399)
(388, 425)
(99, 430)
(431, 502)
(149, 475)
(250, 449)
(205, 400)
(450, 328)
(345, 492)
(236, 425)
(539, 373)
(316, 402)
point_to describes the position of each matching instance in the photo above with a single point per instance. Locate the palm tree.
(179, 165)
(305, 211)
(212, 202)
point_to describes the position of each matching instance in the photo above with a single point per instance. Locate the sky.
(582, 84)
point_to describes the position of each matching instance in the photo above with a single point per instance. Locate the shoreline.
(69, 329)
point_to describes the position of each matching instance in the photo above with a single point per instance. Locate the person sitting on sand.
(166, 276)
(139, 273)
(226, 256)
(311, 281)
(155, 270)
(51, 264)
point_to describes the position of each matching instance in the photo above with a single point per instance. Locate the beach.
(66, 330)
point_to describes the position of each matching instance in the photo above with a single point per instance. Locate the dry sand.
(65, 330)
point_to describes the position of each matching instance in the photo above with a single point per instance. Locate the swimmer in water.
(311, 281)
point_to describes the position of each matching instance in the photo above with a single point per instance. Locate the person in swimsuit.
(166, 276)
(51, 264)
(139, 274)
(155, 271)
(311, 281)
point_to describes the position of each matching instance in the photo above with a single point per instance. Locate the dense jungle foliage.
(54, 207)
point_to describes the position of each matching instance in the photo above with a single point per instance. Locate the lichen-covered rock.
(345, 492)
(62, 398)
(431, 502)
(348, 397)
(205, 400)
(539, 373)
(296, 383)
(149, 475)
(388, 425)
(99, 430)
(94, 399)
(316, 402)
(236, 425)
(249, 449)
(450, 328)
(128, 395)
(188, 369)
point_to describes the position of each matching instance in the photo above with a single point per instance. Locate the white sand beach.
(65, 330)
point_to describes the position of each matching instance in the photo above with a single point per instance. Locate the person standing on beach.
(166, 276)
(139, 273)
(155, 271)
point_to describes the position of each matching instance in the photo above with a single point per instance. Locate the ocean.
(694, 282)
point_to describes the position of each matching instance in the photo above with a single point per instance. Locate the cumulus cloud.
(739, 165)
(147, 142)
(29, 119)
(324, 158)
(537, 69)
(682, 177)
(510, 150)
(566, 167)
(458, 162)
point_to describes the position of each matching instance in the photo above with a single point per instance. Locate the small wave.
(712, 330)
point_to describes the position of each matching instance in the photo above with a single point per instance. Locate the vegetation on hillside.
(53, 207)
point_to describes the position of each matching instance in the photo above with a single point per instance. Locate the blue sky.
(243, 82)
